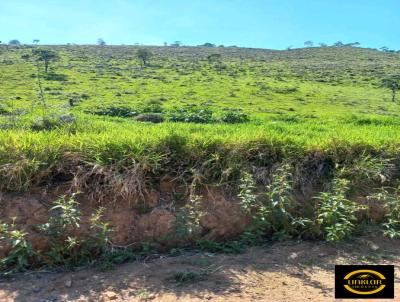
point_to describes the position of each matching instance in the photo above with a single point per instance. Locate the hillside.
(197, 147)
(324, 82)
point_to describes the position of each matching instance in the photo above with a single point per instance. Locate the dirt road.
(289, 271)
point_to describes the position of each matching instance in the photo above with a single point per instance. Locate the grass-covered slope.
(298, 102)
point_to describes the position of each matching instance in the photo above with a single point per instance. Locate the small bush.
(152, 108)
(336, 214)
(4, 109)
(234, 117)
(117, 111)
(51, 122)
(192, 115)
(391, 203)
(187, 223)
(150, 117)
(21, 250)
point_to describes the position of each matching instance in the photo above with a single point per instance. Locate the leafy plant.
(65, 216)
(187, 223)
(21, 251)
(336, 214)
(391, 204)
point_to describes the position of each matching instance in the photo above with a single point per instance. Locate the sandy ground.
(289, 271)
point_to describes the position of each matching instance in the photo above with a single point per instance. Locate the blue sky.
(251, 23)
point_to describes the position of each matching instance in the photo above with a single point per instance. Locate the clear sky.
(251, 23)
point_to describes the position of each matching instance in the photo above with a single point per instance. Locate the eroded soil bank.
(280, 272)
(148, 218)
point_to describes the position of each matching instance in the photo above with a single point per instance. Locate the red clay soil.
(223, 218)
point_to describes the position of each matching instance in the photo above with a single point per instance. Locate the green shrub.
(391, 204)
(52, 121)
(234, 117)
(4, 109)
(150, 117)
(336, 214)
(191, 115)
(152, 107)
(18, 259)
(117, 111)
(187, 223)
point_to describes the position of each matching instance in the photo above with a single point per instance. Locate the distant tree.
(308, 43)
(45, 56)
(176, 44)
(221, 45)
(384, 49)
(354, 44)
(289, 47)
(393, 83)
(338, 44)
(165, 44)
(322, 45)
(14, 42)
(35, 41)
(144, 55)
(207, 44)
(101, 42)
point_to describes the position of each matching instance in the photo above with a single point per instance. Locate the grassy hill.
(297, 142)
(296, 101)
(322, 82)
(301, 99)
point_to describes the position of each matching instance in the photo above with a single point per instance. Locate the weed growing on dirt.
(272, 213)
(389, 197)
(187, 223)
(19, 259)
(336, 214)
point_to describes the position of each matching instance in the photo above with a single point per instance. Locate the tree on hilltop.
(308, 43)
(14, 42)
(101, 42)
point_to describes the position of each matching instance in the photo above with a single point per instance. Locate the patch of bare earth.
(288, 271)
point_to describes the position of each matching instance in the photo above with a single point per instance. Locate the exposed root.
(110, 183)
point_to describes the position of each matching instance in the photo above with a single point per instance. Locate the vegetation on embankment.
(302, 143)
